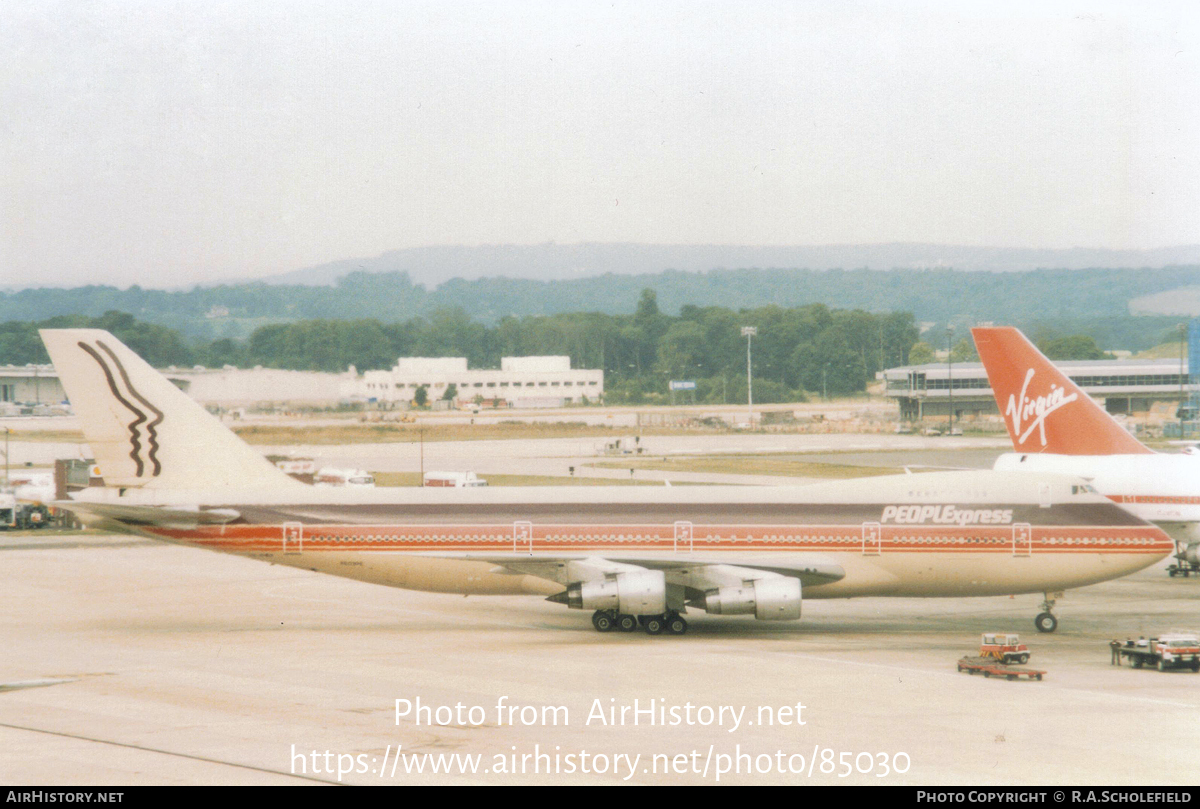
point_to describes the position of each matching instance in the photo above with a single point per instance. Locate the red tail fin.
(1043, 409)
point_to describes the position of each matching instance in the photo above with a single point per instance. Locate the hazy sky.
(165, 143)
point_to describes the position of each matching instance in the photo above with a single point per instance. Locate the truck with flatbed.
(1174, 651)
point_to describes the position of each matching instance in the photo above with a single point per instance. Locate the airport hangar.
(30, 384)
(1125, 386)
(27, 386)
(521, 381)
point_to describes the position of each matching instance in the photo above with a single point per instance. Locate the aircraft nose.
(1162, 541)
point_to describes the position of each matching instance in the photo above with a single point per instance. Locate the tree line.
(809, 348)
(1060, 299)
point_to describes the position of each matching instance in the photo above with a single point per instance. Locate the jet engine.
(637, 592)
(769, 599)
(1192, 554)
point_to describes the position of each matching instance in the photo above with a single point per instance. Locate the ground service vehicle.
(1005, 648)
(1175, 651)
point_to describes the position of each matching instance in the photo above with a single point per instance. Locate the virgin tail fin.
(1043, 409)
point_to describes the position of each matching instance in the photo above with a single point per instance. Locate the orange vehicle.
(1007, 649)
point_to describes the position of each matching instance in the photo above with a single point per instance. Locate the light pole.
(748, 332)
(1182, 379)
(950, 375)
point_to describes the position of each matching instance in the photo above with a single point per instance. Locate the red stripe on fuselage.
(598, 538)
(1155, 499)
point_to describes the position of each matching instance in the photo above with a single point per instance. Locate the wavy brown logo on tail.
(151, 428)
(135, 435)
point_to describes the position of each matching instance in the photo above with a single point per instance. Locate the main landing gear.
(1045, 620)
(670, 623)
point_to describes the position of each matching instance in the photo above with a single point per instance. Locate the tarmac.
(127, 661)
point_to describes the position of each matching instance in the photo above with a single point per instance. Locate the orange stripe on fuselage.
(1156, 499)
(576, 539)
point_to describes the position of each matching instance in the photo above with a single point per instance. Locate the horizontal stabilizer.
(157, 516)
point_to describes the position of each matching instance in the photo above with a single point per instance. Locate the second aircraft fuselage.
(1160, 488)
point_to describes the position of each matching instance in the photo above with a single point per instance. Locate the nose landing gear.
(1045, 620)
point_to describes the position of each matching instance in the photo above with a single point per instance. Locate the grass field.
(414, 479)
(764, 464)
(50, 436)
(411, 433)
(361, 433)
(55, 531)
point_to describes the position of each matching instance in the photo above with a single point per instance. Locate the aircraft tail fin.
(1043, 409)
(143, 430)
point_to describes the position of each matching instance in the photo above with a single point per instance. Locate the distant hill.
(1165, 351)
(1184, 301)
(1091, 301)
(434, 266)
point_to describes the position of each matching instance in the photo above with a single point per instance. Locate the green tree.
(421, 397)
(921, 354)
(681, 349)
(964, 351)
(1075, 347)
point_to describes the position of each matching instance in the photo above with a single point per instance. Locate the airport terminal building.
(1124, 386)
(30, 385)
(520, 381)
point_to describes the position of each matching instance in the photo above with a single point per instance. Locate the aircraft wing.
(691, 572)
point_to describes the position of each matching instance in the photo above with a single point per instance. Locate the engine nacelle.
(638, 592)
(1192, 554)
(769, 600)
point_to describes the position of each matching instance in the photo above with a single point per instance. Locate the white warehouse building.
(520, 382)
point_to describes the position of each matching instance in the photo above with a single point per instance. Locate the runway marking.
(169, 753)
(19, 684)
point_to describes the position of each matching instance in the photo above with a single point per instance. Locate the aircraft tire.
(676, 625)
(1045, 622)
(603, 622)
(627, 623)
(653, 624)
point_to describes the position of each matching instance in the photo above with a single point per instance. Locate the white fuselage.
(1162, 489)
